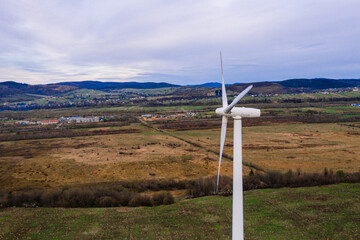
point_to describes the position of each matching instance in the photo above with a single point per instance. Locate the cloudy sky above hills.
(178, 41)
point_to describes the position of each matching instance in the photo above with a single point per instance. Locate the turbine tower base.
(237, 221)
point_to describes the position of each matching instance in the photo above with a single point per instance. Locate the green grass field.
(327, 212)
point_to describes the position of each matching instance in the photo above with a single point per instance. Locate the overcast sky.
(178, 41)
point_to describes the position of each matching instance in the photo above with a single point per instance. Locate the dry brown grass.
(107, 158)
(309, 147)
(150, 155)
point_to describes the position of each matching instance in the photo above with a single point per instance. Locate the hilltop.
(276, 87)
(94, 93)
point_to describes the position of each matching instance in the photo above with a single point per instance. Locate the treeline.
(82, 197)
(114, 194)
(272, 179)
(189, 125)
(132, 194)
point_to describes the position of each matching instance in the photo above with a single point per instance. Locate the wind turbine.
(237, 113)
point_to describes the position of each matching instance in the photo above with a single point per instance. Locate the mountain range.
(287, 86)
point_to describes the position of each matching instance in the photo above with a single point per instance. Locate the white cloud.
(46, 41)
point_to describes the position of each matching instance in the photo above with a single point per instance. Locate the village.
(88, 119)
(155, 117)
(95, 119)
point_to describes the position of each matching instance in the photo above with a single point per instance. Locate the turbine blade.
(237, 99)
(222, 142)
(223, 89)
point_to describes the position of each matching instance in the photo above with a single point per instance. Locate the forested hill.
(320, 83)
(96, 85)
(14, 88)
(279, 87)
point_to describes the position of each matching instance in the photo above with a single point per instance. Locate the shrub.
(146, 201)
(17, 198)
(202, 187)
(158, 199)
(249, 183)
(78, 198)
(25, 198)
(163, 198)
(168, 199)
(123, 198)
(107, 201)
(340, 174)
(138, 200)
(4, 199)
(326, 172)
(51, 198)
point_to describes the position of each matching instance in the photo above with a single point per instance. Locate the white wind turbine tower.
(237, 113)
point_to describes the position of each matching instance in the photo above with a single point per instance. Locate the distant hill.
(106, 86)
(262, 88)
(207, 89)
(14, 88)
(295, 85)
(320, 83)
(209, 84)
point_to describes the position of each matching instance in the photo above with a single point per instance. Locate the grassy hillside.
(327, 212)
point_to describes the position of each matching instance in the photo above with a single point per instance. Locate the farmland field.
(309, 147)
(143, 152)
(147, 155)
(327, 212)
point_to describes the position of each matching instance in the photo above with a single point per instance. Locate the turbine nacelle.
(239, 112)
